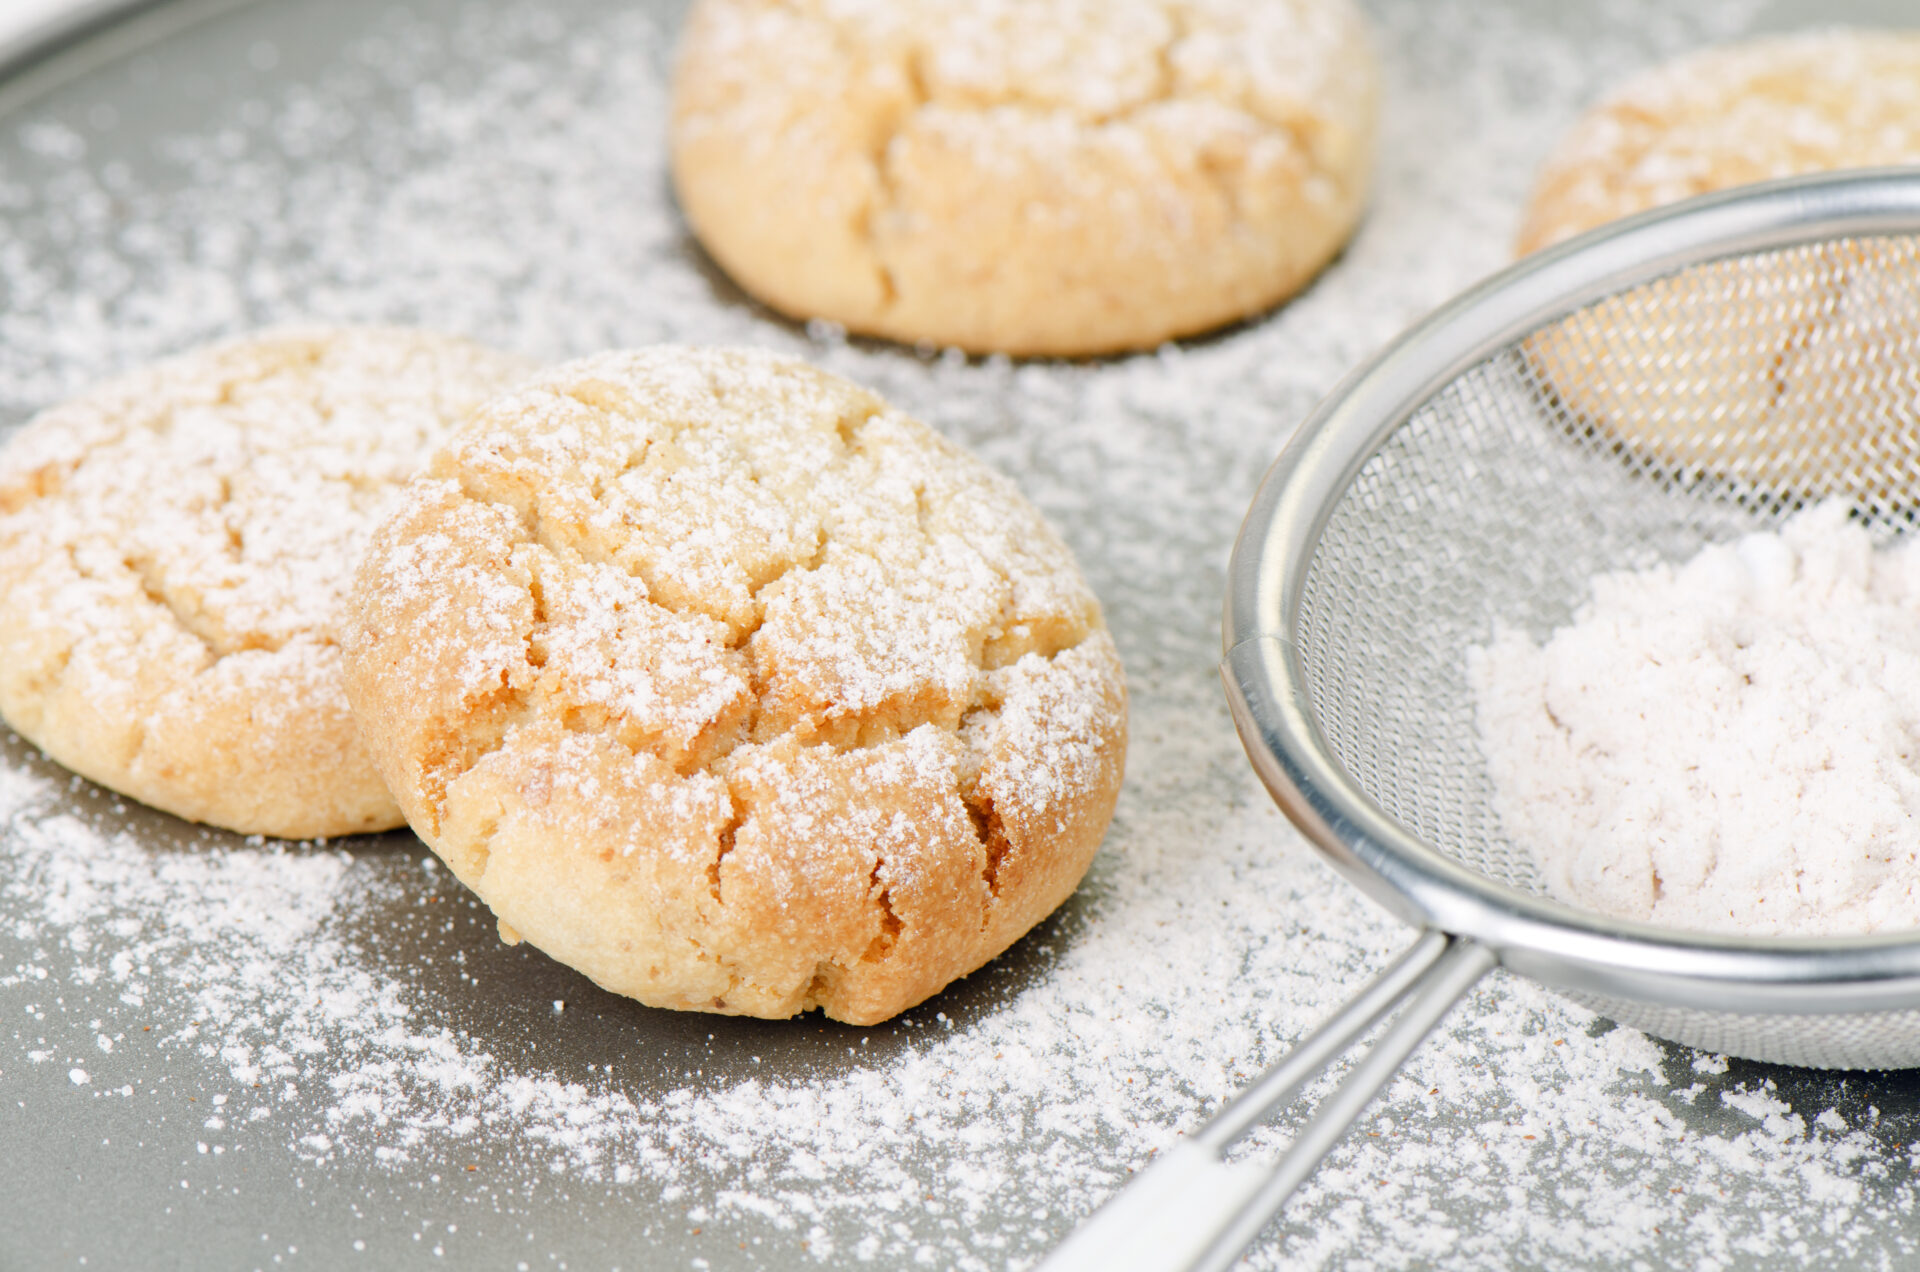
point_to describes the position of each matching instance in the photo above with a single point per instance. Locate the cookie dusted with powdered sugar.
(734, 688)
(174, 548)
(1773, 107)
(1058, 177)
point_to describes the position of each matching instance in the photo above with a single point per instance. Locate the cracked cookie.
(735, 689)
(1772, 107)
(174, 548)
(1062, 178)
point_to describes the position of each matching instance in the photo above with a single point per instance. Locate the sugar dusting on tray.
(1054, 1095)
(521, 204)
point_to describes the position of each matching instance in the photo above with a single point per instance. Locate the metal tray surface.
(496, 167)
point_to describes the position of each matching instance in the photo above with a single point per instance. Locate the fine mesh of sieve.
(1690, 409)
(1839, 1040)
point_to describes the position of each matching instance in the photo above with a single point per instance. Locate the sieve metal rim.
(1545, 940)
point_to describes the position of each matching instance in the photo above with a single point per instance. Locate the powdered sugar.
(318, 1044)
(497, 180)
(1725, 745)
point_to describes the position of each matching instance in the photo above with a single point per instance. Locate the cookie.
(174, 548)
(1774, 107)
(737, 690)
(1064, 177)
(1772, 373)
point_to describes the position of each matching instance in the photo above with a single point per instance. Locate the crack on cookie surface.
(851, 427)
(885, 198)
(42, 683)
(769, 717)
(1046, 639)
(992, 835)
(234, 528)
(490, 718)
(890, 925)
(536, 641)
(725, 842)
(471, 487)
(819, 987)
(479, 851)
(635, 457)
(453, 753)
(1089, 124)
(1222, 176)
(923, 519)
(813, 561)
(145, 572)
(849, 730)
(1163, 53)
(142, 734)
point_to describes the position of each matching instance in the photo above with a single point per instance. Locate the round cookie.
(1772, 373)
(1773, 107)
(1058, 178)
(734, 688)
(174, 549)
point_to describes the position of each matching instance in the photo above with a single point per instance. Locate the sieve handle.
(1192, 1210)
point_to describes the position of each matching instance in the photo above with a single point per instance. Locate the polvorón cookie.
(174, 547)
(1045, 177)
(736, 689)
(1773, 107)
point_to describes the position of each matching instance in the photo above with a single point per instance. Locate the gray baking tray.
(217, 1053)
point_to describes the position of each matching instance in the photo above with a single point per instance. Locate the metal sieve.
(1679, 378)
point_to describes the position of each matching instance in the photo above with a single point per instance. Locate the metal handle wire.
(1192, 1210)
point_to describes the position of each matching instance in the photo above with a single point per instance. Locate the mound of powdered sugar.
(1731, 744)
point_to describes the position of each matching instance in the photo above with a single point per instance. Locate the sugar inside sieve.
(1679, 378)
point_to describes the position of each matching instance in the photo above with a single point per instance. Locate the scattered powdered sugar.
(249, 955)
(490, 168)
(1725, 745)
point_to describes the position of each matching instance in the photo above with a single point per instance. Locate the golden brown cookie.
(734, 688)
(1050, 177)
(1773, 107)
(174, 548)
(1786, 375)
